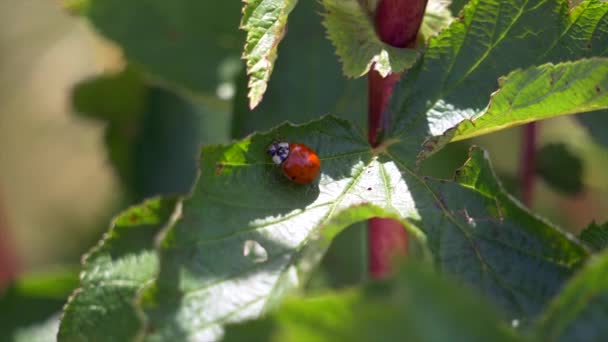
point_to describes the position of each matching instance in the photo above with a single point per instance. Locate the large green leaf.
(248, 236)
(30, 306)
(152, 135)
(352, 31)
(579, 312)
(102, 308)
(454, 79)
(188, 43)
(542, 92)
(525, 96)
(265, 22)
(417, 306)
(485, 237)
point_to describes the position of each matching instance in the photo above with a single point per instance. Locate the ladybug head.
(279, 152)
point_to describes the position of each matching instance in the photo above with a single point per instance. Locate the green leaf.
(351, 30)
(480, 234)
(265, 22)
(299, 94)
(29, 306)
(346, 262)
(302, 93)
(595, 236)
(454, 79)
(444, 163)
(248, 236)
(456, 6)
(152, 135)
(437, 17)
(560, 168)
(102, 308)
(542, 92)
(103, 97)
(188, 43)
(579, 312)
(597, 125)
(418, 305)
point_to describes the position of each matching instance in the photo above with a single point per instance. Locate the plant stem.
(397, 23)
(528, 163)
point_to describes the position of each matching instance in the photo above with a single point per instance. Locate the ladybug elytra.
(299, 162)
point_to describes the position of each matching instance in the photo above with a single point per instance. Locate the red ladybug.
(299, 162)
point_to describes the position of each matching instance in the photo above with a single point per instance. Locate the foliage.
(595, 123)
(113, 273)
(560, 168)
(351, 30)
(417, 301)
(242, 238)
(31, 305)
(146, 124)
(265, 22)
(596, 236)
(578, 312)
(451, 84)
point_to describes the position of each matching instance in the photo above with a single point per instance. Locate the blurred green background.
(59, 187)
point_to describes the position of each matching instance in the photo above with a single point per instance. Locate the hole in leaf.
(254, 251)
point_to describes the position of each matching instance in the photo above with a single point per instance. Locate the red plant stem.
(379, 91)
(397, 23)
(528, 163)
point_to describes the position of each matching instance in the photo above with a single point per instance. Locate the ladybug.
(299, 162)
